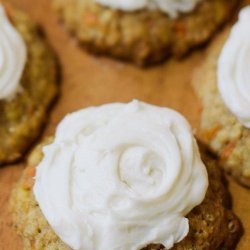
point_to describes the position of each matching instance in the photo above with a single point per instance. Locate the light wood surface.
(87, 80)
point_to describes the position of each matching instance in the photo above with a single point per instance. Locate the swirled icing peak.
(12, 57)
(121, 176)
(234, 69)
(170, 7)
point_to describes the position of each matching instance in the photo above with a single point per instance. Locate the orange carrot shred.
(209, 134)
(227, 151)
(30, 171)
(180, 27)
(90, 18)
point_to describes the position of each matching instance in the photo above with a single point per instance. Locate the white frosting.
(170, 7)
(12, 57)
(121, 176)
(234, 69)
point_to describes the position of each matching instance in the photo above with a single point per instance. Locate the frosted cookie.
(143, 31)
(123, 176)
(28, 82)
(223, 84)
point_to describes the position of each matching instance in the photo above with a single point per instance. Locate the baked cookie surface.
(212, 224)
(144, 37)
(219, 128)
(22, 117)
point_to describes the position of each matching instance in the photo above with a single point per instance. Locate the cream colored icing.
(234, 69)
(171, 7)
(121, 176)
(12, 57)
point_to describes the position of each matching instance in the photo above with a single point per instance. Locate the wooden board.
(88, 80)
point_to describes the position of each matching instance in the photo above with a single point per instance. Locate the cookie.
(23, 115)
(220, 128)
(131, 170)
(144, 36)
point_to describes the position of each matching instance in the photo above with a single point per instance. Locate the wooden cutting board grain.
(87, 80)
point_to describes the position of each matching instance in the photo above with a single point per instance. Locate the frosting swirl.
(234, 69)
(171, 7)
(121, 176)
(12, 57)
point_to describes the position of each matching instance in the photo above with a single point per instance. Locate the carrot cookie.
(144, 32)
(123, 176)
(223, 84)
(27, 83)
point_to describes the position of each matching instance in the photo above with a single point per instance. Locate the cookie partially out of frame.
(22, 117)
(143, 37)
(213, 226)
(219, 128)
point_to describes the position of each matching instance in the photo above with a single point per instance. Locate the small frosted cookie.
(144, 32)
(223, 83)
(28, 82)
(123, 176)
